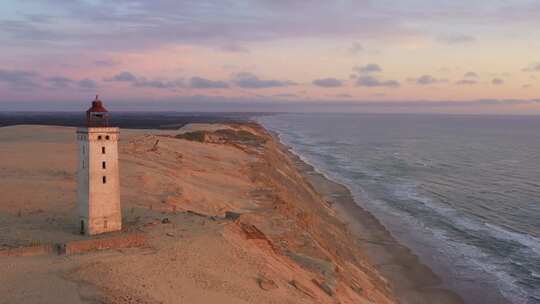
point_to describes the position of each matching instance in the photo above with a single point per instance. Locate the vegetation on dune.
(225, 135)
(193, 136)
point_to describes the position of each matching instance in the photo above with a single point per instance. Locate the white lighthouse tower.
(98, 175)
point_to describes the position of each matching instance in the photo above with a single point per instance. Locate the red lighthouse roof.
(97, 106)
(97, 115)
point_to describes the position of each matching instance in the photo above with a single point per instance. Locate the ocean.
(462, 191)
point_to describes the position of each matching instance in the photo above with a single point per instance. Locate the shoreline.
(412, 281)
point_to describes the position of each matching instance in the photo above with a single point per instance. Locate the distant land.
(129, 120)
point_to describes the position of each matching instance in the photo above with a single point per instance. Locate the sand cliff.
(226, 216)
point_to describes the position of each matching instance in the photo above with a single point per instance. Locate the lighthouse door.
(82, 227)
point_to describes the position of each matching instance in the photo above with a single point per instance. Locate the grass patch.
(198, 136)
(241, 137)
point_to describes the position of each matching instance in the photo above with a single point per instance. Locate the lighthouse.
(98, 174)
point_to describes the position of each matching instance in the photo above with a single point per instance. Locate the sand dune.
(229, 219)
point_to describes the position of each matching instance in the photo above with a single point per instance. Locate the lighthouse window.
(99, 137)
(102, 150)
(104, 179)
(103, 165)
(107, 137)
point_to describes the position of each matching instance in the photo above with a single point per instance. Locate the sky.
(450, 56)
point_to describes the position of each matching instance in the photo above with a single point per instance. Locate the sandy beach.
(229, 215)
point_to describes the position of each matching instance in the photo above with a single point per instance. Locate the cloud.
(470, 75)
(128, 25)
(203, 83)
(344, 95)
(62, 82)
(233, 48)
(105, 63)
(19, 79)
(454, 39)
(37, 18)
(356, 48)
(369, 81)
(427, 80)
(123, 77)
(497, 81)
(229, 66)
(532, 68)
(250, 81)
(466, 82)
(369, 68)
(526, 86)
(28, 80)
(328, 83)
(87, 84)
(25, 32)
(142, 82)
(59, 82)
(97, 26)
(285, 95)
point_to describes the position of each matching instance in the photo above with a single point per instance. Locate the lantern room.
(97, 115)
